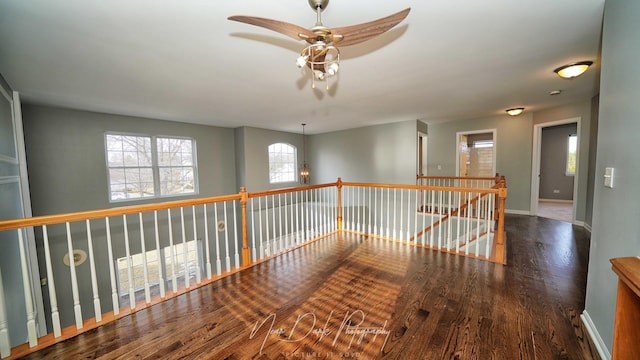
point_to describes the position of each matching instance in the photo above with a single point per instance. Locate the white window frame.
(154, 166)
(575, 152)
(271, 149)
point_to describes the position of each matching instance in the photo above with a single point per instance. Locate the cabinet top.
(628, 269)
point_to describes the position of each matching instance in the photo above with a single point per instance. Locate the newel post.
(246, 252)
(339, 185)
(500, 250)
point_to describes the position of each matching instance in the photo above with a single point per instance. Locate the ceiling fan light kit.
(321, 56)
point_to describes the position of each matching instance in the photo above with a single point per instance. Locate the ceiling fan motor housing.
(315, 4)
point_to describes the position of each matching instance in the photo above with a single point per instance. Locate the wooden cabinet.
(626, 331)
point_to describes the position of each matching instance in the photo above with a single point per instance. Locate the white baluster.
(370, 210)
(185, 250)
(287, 231)
(298, 205)
(218, 261)
(375, 208)
(132, 292)
(395, 217)
(478, 224)
(432, 213)
(5, 344)
(253, 233)
(112, 274)
(235, 236)
(28, 300)
(53, 300)
(267, 239)
(388, 212)
(281, 246)
(468, 225)
(226, 239)
(172, 255)
(307, 223)
(260, 227)
(206, 241)
(196, 245)
(274, 246)
(424, 216)
(354, 224)
(449, 224)
(358, 204)
(143, 252)
(401, 235)
(458, 220)
(77, 310)
(158, 255)
(94, 279)
(415, 220)
(440, 213)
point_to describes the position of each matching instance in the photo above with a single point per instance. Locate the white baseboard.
(601, 347)
(517, 212)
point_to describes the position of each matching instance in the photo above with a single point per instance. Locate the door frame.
(422, 153)
(535, 163)
(472, 132)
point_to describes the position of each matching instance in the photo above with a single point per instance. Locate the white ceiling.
(184, 61)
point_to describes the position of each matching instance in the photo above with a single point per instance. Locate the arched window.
(282, 163)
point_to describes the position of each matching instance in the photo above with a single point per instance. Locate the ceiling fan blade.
(356, 34)
(294, 31)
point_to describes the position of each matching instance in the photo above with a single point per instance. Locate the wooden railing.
(137, 256)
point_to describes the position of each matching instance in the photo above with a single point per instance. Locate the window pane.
(572, 147)
(282, 163)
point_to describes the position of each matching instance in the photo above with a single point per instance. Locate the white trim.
(587, 227)
(601, 347)
(516, 212)
(9, 179)
(494, 133)
(425, 162)
(9, 160)
(535, 162)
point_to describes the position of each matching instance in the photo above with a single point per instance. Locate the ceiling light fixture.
(515, 111)
(574, 70)
(304, 168)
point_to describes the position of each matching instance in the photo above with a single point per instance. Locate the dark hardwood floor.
(346, 296)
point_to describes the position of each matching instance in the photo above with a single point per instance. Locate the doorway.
(476, 153)
(422, 154)
(554, 181)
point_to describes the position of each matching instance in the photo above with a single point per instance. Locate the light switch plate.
(608, 177)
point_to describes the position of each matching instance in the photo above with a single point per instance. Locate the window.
(142, 166)
(282, 163)
(572, 147)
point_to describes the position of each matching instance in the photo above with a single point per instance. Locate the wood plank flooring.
(348, 296)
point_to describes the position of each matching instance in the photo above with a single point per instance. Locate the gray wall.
(66, 156)
(582, 110)
(252, 156)
(382, 153)
(514, 137)
(553, 163)
(615, 229)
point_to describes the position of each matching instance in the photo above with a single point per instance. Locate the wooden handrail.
(289, 190)
(420, 187)
(102, 213)
(447, 216)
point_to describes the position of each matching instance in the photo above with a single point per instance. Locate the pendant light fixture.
(304, 168)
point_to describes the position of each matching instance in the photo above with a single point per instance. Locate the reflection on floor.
(562, 211)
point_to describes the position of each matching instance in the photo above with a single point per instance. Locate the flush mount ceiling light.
(574, 70)
(322, 57)
(515, 111)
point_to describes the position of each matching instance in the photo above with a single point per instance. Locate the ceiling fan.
(321, 55)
